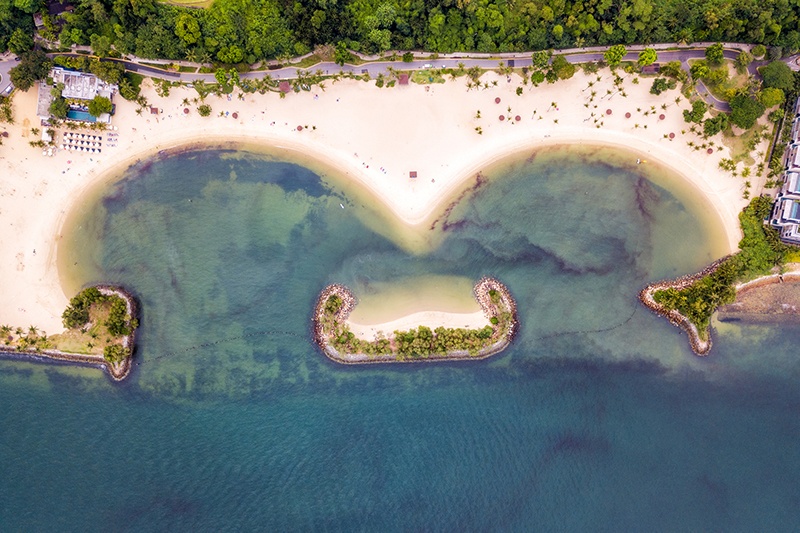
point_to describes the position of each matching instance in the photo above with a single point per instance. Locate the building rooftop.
(43, 101)
(791, 183)
(76, 84)
(793, 158)
(795, 130)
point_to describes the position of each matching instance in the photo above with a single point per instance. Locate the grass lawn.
(733, 80)
(93, 339)
(135, 79)
(424, 77)
(201, 4)
(740, 145)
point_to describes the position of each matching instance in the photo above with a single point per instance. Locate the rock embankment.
(481, 291)
(699, 345)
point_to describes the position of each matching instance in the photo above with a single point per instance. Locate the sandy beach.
(431, 319)
(372, 137)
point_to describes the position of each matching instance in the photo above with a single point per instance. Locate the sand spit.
(481, 291)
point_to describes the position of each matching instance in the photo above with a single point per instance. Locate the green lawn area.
(201, 4)
(740, 144)
(732, 80)
(424, 77)
(187, 69)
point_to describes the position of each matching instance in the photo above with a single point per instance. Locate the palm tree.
(191, 56)
(677, 100)
(32, 330)
(185, 102)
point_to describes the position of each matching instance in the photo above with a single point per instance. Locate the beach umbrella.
(671, 135)
(497, 100)
(299, 128)
(235, 115)
(662, 117)
(710, 151)
(501, 118)
(627, 115)
(518, 118)
(608, 111)
(185, 110)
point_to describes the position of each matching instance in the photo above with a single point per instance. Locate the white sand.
(359, 130)
(432, 319)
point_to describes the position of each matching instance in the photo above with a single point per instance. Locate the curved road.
(376, 68)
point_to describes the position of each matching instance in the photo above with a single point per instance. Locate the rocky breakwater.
(701, 344)
(331, 333)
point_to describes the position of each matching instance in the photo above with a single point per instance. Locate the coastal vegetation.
(236, 32)
(99, 326)
(421, 343)
(760, 251)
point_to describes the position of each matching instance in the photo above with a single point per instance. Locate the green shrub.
(77, 313)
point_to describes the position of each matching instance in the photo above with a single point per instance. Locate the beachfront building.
(78, 89)
(786, 211)
(793, 156)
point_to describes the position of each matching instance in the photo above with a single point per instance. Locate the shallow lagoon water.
(597, 417)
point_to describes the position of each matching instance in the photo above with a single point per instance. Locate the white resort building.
(79, 88)
(786, 211)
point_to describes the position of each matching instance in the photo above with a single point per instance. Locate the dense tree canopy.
(33, 66)
(99, 105)
(778, 75)
(745, 111)
(251, 30)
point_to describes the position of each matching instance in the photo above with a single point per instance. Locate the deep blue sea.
(597, 418)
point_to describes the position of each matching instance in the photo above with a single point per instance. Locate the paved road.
(374, 69)
(6, 63)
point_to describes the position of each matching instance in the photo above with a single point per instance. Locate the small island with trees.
(100, 322)
(338, 343)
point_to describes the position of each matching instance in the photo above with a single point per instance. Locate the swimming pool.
(74, 114)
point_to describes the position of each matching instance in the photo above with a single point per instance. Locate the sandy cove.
(370, 136)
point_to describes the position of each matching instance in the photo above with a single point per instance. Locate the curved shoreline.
(116, 371)
(481, 292)
(447, 157)
(699, 346)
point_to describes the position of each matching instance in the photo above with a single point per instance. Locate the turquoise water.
(80, 115)
(597, 418)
